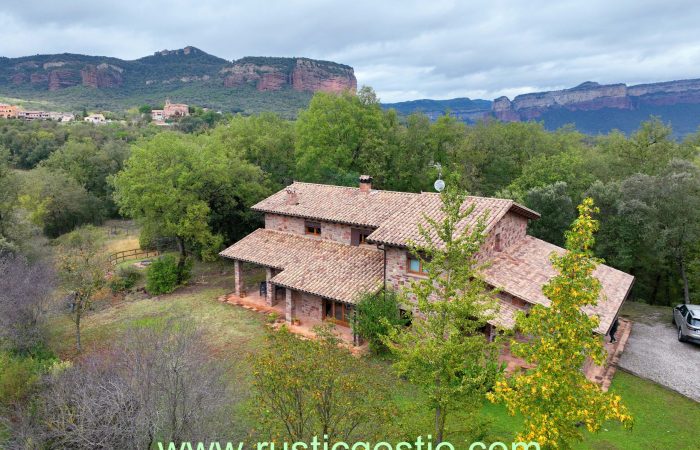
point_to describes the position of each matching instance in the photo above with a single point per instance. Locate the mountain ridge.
(621, 106)
(190, 75)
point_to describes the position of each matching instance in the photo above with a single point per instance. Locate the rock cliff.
(591, 96)
(175, 67)
(300, 74)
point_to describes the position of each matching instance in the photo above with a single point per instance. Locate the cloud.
(404, 49)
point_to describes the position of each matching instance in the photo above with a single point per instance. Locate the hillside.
(593, 108)
(251, 84)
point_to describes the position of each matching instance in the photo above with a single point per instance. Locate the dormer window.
(312, 228)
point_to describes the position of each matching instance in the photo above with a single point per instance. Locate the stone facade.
(397, 276)
(509, 230)
(288, 224)
(336, 232)
(309, 305)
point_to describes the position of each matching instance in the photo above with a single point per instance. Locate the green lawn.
(663, 419)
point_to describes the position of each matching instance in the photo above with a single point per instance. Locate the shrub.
(163, 274)
(126, 278)
(18, 377)
(161, 277)
(375, 313)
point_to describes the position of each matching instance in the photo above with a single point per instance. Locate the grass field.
(663, 419)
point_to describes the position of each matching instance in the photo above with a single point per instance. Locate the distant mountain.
(189, 75)
(463, 108)
(593, 108)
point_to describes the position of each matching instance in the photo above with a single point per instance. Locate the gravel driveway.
(653, 352)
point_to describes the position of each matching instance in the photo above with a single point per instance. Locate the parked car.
(687, 319)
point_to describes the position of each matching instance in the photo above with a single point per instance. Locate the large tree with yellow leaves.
(555, 398)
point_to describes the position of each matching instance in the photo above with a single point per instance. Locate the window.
(497, 244)
(359, 236)
(338, 312)
(313, 228)
(415, 265)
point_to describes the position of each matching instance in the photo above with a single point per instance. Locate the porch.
(302, 325)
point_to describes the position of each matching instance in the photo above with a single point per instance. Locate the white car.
(687, 319)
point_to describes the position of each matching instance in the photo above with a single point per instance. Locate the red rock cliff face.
(60, 79)
(311, 76)
(593, 96)
(301, 75)
(101, 76)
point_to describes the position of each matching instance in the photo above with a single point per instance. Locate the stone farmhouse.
(169, 111)
(323, 246)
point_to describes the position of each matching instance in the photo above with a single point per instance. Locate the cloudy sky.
(404, 49)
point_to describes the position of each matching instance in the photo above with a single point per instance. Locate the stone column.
(270, 293)
(239, 290)
(289, 306)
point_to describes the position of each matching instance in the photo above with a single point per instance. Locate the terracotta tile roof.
(397, 213)
(523, 268)
(317, 266)
(506, 315)
(402, 227)
(337, 204)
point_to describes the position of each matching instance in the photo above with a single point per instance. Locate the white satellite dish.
(439, 185)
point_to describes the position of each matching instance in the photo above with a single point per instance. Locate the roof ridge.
(355, 188)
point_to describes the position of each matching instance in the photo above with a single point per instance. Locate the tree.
(82, 268)
(306, 388)
(556, 209)
(339, 137)
(9, 205)
(183, 186)
(265, 140)
(650, 227)
(445, 351)
(679, 212)
(90, 165)
(57, 203)
(24, 294)
(554, 397)
(375, 314)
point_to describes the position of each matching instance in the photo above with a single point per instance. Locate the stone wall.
(396, 276)
(509, 230)
(287, 224)
(332, 231)
(512, 227)
(309, 306)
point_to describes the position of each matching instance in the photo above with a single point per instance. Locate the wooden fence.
(134, 253)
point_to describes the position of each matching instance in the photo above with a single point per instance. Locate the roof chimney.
(365, 183)
(292, 196)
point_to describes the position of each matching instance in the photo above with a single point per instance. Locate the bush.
(163, 275)
(374, 315)
(18, 377)
(125, 279)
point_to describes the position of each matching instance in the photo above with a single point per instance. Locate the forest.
(55, 178)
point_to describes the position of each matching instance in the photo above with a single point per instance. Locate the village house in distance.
(169, 111)
(323, 246)
(15, 112)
